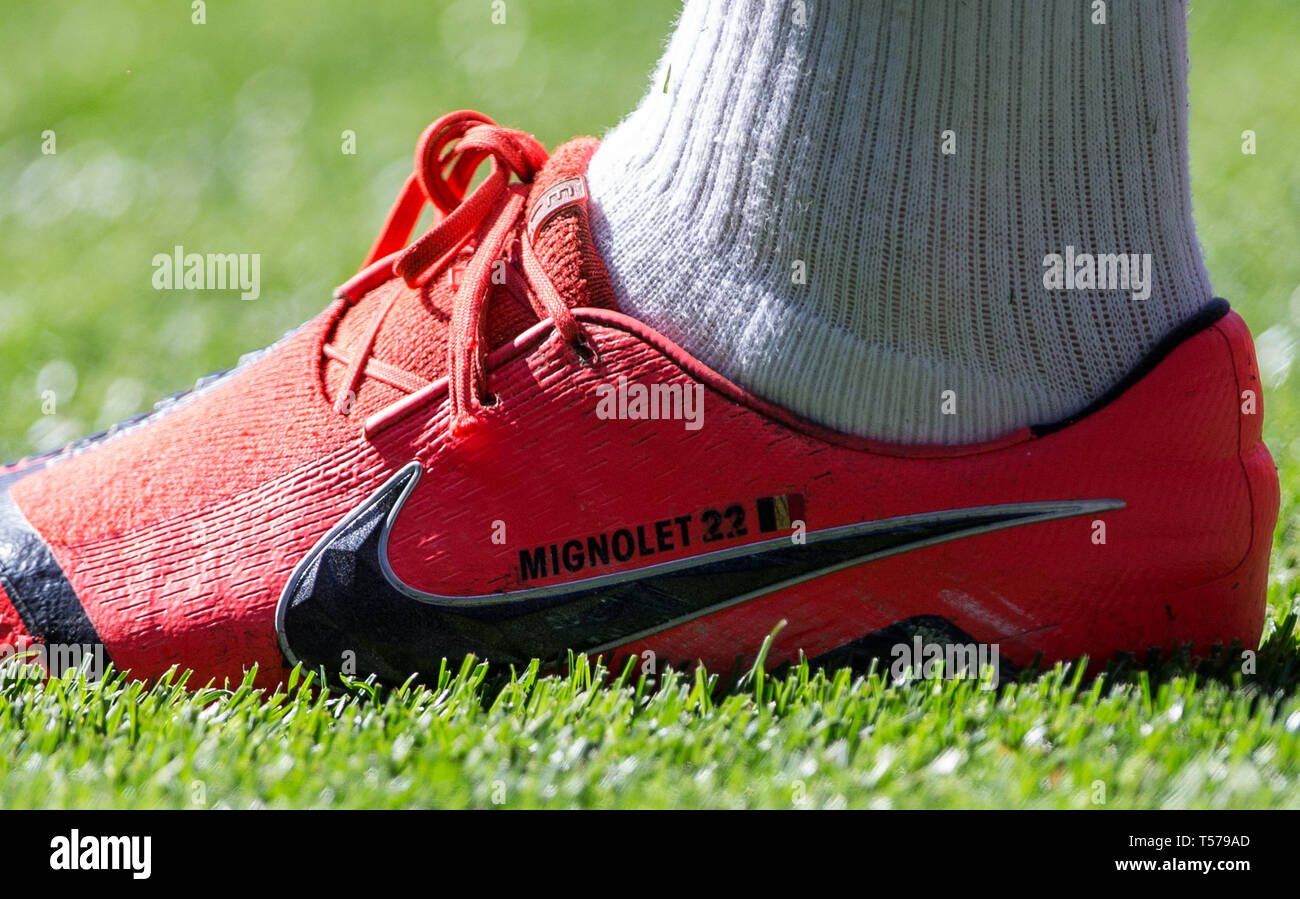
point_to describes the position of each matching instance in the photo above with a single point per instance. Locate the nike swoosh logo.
(344, 601)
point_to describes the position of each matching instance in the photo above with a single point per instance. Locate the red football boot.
(472, 450)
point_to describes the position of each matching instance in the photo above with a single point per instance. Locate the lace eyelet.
(587, 355)
(488, 400)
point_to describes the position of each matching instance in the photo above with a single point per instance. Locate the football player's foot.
(472, 450)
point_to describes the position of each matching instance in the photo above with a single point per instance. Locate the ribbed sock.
(781, 204)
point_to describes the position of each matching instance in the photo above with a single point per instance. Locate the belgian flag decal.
(777, 513)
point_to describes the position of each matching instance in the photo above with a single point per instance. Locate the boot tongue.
(558, 221)
(413, 336)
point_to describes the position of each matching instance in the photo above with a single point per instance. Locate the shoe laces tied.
(488, 226)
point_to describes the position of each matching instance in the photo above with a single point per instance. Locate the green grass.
(226, 137)
(799, 740)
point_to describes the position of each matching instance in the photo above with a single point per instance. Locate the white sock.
(766, 149)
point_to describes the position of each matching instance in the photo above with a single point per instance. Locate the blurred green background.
(227, 136)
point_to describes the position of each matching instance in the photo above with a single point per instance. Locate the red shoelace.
(488, 226)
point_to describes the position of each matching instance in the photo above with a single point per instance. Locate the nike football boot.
(471, 450)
